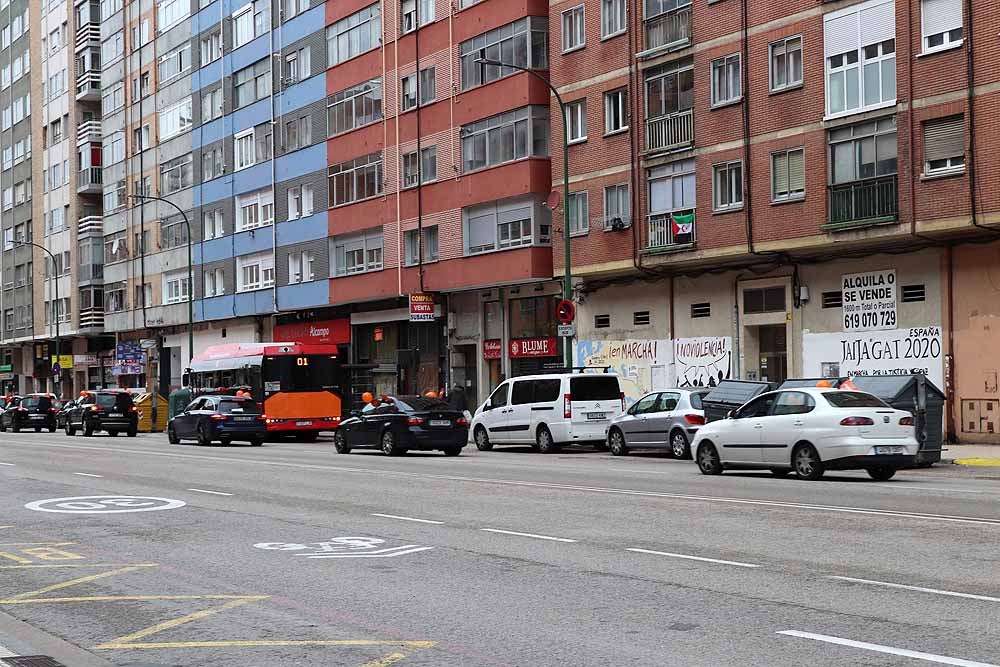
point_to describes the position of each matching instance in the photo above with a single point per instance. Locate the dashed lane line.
(918, 589)
(689, 557)
(8, 464)
(214, 493)
(87, 474)
(408, 518)
(890, 650)
(532, 535)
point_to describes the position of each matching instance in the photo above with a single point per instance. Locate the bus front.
(303, 386)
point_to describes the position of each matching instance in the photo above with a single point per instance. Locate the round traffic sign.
(565, 311)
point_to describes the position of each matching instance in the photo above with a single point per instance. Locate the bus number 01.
(302, 361)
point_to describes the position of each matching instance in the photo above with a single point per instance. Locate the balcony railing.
(88, 34)
(89, 179)
(665, 232)
(91, 317)
(89, 272)
(668, 31)
(870, 200)
(88, 85)
(673, 131)
(89, 130)
(91, 224)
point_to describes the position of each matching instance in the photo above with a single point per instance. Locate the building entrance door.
(773, 353)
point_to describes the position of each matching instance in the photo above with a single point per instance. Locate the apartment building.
(767, 190)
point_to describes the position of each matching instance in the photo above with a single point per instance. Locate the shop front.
(532, 344)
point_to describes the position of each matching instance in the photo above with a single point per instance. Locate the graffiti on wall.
(703, 362)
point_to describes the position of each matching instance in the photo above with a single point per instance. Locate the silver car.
(659, 420)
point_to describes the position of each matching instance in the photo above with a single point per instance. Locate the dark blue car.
(222, 419)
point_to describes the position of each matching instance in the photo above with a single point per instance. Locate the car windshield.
(419, 403)
(853, 399)
(118, 401)
(596, 388)
(247, 407)
(695, 399)
(37, 402)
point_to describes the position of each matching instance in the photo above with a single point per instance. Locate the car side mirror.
(355, 413)
(731, 414)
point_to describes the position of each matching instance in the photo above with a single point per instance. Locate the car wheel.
(708, 460)
(132, 432)
(452, 451)
(15, 427)
(113, 434)
(616, 443)
(38, 429)
(881, 474)
(3, 428)
(172, 435)
(780, 472)
(52, 429)
(256, 442)
(204, 437)
(389, 446)
(70, 431)
(483, 443)
(807, 463)
(225, 441)
(543, 438)
(679, 446)
(88, 429)
(340, 442)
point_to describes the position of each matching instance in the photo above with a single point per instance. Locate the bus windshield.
(304, 373)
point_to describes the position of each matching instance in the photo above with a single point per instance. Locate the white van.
(548, 411)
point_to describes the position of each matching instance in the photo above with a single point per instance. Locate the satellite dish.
(553, 200)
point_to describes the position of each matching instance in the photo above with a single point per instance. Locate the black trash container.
(729, 395)
(918, 396)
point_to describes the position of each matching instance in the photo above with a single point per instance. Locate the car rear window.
(420, 403)
(247, 407)
(121, 401)
(695, 399)
(40, 402)
(853, 399)
(596, 388)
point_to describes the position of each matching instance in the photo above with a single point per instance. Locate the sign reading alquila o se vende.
(869, 300)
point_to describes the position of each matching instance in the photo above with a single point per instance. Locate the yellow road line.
(385, 661)
(126, 598)
(77, 565)
(74, 582)
(6, 526)
(34, 544)
(983, 463)
(173, 623)
(115, 644)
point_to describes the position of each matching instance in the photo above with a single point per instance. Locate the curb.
(980, 462)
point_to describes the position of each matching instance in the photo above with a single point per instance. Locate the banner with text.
(869, 300)
(703, 362)
(896, 352)
(642, 365)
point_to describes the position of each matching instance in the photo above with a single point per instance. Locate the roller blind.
(840, 34)
(941, 16)
(944, 138)
(797, 171)
(779, 167)
(878, 23)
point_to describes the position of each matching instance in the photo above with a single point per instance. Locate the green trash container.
(177, 401)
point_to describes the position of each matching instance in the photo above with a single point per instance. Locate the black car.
(63, 408)
(222, 418)
(33, 411)
(105, 410)
(400, 423)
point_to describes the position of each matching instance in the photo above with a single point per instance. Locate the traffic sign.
(566, 330)
(565, 311)
(56, 369)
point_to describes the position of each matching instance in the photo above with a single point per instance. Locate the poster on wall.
(869, 300)
(896, 352)
(643, 365)
(703, 362)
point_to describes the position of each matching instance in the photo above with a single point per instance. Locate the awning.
(232, 363)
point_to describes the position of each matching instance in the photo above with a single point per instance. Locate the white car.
(810, 431)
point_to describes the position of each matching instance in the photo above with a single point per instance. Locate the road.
(290, 554)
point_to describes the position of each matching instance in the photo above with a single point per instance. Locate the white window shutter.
(940, 16)
(878, 23)
(840, 34)
(944, 138)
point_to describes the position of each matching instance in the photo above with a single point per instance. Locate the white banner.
(896, 352)
(869, 300)
(703, 362)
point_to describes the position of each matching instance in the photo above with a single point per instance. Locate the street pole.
(568, 279)
(55, 316)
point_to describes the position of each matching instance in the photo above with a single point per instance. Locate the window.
(411, 170)
(640, 318)
(701, 310)
(113, 150)
(355, 179)
(176, 287)
(788, 174)
(672, 188)
(833, 299)
(428, 164)
(764, 300)
(115, 248)
(211, 224)
(176, 62)
(669, 91)
(408, 14)
(354, 107)
(786, 63)
(408, 91)
(176, 119)
(727, 84)
(141, 243)
(727, 187)
(144, 295)
(615, 111)
(176, 174)
(357, 253)
(141, 139)
(173, 233)
(428, 86)
(250, 21)
(211, 48)
(301, 267)
(524, 42)
(114, 298)
(292, 8)
(579, 212)
(506, 224)
(944, 145)
(254, 209)
(913, 293)
(506, 137)
(298, 66)
(169, 12)
(430, 246)
(863, 151)
(941, 24)
(426, 11)
(254, 272)
(298, 133)
(211, 105)
(140, 86)
(244, 149)
(602, 321)
(212, 165)
(113, 47)
(612, 18)
(215, 282)
(860, 52)
(300, 201)
(350, 37)
(573, 29)
(617, 206)
(252, 83)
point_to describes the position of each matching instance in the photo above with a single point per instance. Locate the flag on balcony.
(682, 224)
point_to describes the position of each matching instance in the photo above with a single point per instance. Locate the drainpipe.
(274, 153)
(420, 162)
(950, 378)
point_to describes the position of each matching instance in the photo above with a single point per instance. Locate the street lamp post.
(187, 224)
(56, 305)
(568, 280)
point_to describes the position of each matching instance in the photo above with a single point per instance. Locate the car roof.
(816, 391)
(551, 376)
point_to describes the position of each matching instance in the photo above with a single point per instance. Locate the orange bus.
(300, 387)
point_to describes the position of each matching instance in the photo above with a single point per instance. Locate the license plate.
(596, 415)
(440, 422)
(306, 423)
(116, 414)
(894, 449)
(243, 419)
(38, 416)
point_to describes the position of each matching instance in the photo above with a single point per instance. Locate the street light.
(187, 223)
(56, 305)
(568, 281)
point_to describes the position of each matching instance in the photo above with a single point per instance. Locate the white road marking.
(878, 648)
(86, 474)
(6, 652)
(8, 464)
(547, 485)
(919, 589)
(537, 537)
(687, 557)
(916, 487)
(408, 518)
(214, 493)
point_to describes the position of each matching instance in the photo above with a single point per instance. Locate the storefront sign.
(534, 347)
(85, 360)
(379, 334)
(869, 300)
(492, 349)
(703, 362)
(65, 361)
(6, 368)
(6, 376)
(127, 369)
(421, 307)
(326, 332)
(129, 352)
(896, 352)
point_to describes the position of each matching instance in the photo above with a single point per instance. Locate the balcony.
(865, 202)
(670, 132)
(667, 32)
(92, 318)
(88, 86)
(91, 224)
(88, 130)
(670, 231)
(88, 181)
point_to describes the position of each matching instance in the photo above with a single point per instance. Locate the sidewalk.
(19, 639)
(972, 455)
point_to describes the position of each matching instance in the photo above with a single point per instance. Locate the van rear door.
(594, 401)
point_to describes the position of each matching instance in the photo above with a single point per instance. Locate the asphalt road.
(290, 554)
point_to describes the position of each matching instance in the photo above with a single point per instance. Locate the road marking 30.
(408, 518)
(689, 557)
(918, 589)
(878, 648)
(533, 535)
(214, 493)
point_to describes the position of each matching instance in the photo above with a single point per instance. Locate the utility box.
(919, 396)
(729, 395)
(179, 399)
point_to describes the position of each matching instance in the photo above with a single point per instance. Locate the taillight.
(133, 409)
(567, 406)
(462, 421)
(695, 420)
(857, 421)
(622, 396)
(906, 421)
(414, 421)
(218, 418)
(262, 418)
(95, 408)
(22, 409)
